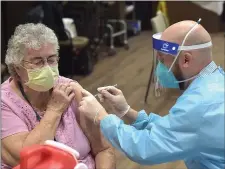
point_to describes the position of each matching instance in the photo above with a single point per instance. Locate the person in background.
(193, 130)
(38, 105)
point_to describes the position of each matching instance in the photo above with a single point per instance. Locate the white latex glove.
(115, 98)
(69, 150)
(90, 106)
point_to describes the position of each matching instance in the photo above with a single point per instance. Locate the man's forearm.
(106, 159)
(131, 116)
(45, 130)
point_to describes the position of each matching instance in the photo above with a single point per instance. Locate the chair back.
(159, 23)
(70, 26)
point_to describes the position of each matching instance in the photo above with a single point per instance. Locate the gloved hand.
(115, 98)
(91, 107)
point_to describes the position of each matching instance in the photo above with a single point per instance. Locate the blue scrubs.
(193, 130)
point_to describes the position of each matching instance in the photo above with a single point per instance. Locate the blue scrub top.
(193, 130)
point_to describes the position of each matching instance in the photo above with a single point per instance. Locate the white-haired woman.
(38, 104)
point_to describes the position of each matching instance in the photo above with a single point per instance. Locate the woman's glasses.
(39, 63)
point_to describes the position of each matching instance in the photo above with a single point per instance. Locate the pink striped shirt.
(18, 116)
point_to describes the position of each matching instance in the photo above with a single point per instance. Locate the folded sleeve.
(143, 120)
(163, 139)
(11, 123)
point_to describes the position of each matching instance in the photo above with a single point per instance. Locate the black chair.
(50, 13)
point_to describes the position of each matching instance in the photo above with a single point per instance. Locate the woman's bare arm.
(102, 151)
(45, 130)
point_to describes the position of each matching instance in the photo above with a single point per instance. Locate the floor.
(130, 70)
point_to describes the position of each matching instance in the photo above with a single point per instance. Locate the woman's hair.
(28, 36)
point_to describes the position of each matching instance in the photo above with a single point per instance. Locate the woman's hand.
(115, 98)
(91, 107)
(77, 88)
(61, 98)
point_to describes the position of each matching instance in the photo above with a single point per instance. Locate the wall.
(183, 10)
(12, 14)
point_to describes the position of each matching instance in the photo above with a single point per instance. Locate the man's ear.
(186, 59)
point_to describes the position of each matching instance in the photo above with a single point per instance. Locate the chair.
(75, 57)
(116, 24)
(133, 25)
(77, 41)
(81, 56)
(159, 24)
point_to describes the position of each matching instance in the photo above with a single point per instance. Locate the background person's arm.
(101, 149)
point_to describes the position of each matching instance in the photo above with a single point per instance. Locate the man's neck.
(202, 67)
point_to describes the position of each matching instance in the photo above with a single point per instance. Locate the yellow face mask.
(43, 79)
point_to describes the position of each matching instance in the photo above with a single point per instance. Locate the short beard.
(179, 77)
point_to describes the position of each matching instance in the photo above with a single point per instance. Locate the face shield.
(163, 75)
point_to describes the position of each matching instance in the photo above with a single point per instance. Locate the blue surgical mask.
(166, 78)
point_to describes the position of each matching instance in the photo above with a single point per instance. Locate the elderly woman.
(38, 104)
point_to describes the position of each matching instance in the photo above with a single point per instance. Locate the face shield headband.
(174, 49)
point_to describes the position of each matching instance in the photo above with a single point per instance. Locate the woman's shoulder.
(63, 79)
(77, 87)
(5, 85)
(11, 103)
(6, 92)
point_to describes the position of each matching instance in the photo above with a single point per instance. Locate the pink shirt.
(18, 116)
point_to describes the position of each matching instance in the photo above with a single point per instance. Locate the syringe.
(105, 89)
